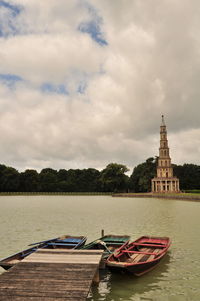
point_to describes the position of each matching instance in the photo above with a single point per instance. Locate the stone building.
(165, 181)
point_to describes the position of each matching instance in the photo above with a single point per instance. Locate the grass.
(181, 195)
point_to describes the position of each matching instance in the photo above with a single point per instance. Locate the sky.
(84, 83)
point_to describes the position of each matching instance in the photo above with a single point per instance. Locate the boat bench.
(138, 252)
(113, 243)
(61, 244)
(70, 240)
(146, 257)
(150, 245)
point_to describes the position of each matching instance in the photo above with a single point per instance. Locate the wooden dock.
(48, 275)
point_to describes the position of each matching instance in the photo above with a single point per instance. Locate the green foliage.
(29, 181)
(189, 176)
(192, 191)
(140, 180)
(48, 180)
(79, 180)
(9, 179)
(113, 178)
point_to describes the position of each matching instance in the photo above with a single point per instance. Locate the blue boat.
(62, 242)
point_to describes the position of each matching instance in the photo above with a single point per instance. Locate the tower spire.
(163, 121)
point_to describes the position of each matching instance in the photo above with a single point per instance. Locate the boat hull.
(140, 256)
(136, 269)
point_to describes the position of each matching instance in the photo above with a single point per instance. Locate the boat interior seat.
(137, 257)
(54, 244)
(149, 257)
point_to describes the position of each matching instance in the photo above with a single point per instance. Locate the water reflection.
(115, 287)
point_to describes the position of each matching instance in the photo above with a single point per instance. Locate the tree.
(189, 176)
(48, 180)
(140, 180)
(62, 177)
(77, 180)
(29, 181)
(73, 180)
(113, 178)
(2, 171)
(9, 179)
(88, 180)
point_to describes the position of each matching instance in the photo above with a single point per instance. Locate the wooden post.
(96, 277)
(102, 264)
(102, 232)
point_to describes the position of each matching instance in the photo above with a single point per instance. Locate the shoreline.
(178, 196)
(54, 193)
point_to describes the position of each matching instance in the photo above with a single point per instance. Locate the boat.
(64, 242)
(108, 243)
(140, 256)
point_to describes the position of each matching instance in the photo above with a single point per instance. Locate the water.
(27, 219)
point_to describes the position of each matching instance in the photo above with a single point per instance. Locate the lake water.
(27, 219)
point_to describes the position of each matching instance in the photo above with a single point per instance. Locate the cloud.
(93, 26)
(8, 17)
(84, 83)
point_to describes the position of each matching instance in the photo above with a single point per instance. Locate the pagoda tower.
(165, 181)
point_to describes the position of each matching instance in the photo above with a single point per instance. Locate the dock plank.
(47, 276)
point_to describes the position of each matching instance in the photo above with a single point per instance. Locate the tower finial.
(163, 121)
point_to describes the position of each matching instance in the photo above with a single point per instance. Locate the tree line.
(112, 178)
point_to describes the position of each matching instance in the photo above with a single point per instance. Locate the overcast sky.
(84, 83)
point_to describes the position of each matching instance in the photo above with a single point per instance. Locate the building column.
(171, 186)
(162, 186)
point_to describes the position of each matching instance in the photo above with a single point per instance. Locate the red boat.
(140, 256)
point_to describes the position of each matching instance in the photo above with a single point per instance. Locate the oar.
(118, 251)
(104, 245)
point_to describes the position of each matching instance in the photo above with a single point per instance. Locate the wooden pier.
(48, 275)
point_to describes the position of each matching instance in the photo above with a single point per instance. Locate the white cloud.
(46, 58)
(149, 67)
